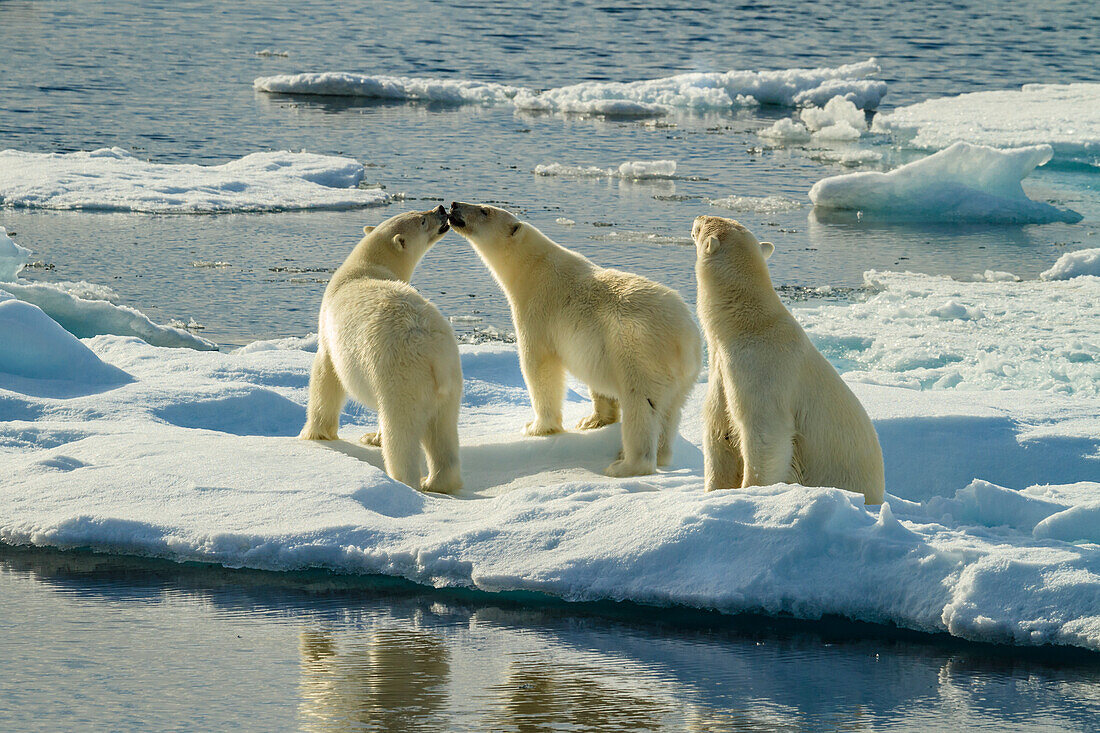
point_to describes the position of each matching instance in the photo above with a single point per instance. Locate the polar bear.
(381, 342)
(632, 341)
(775, 410)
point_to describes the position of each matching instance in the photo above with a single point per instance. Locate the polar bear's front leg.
(326, 399)
(605, 411)
(545, 377)
(641, 429)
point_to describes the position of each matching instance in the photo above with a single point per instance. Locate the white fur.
(631, 340)
(776, 410)
(381, 342)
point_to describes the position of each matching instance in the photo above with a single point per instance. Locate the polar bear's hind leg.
(605, 411)
(326, 399)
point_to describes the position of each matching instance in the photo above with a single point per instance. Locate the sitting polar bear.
(776, 410)
(392, 350)
(632, 341)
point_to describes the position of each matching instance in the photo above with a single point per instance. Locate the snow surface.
(112, 179)
(82, 308)
(931, 332)
(637, 170)
(1074, 264)
(1064, 116)
(695, 91)
(989, 531)
(961, 183)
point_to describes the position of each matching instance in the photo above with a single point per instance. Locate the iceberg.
(1064, 116)
(112, 179)
(195, 459)
(961, 183)
(700, 91)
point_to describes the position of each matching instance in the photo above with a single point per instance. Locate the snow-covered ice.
(1064, 116)
(961, 183)
(82, 308)
(989, 531)
(698, 91)
(839, 120)
(932, 332)
(112, 179)
(1074, 264)
(636, 170)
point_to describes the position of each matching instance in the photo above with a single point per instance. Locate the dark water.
(100, 643)
(171, 82)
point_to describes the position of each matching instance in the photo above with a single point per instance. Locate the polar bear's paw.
(309, 433)
(622, 468)
(374, 439)
(441, 484)
(538, 427)
(595, 420)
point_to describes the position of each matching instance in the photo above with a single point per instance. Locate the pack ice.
(112, 179)
(695, 91)
(989, 531)
(963, 182)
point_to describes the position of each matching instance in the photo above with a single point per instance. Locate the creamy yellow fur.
(384, 344)
(776, 410)
(631, 340)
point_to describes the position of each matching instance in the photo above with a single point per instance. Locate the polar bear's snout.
(455, 215)
(441, 212)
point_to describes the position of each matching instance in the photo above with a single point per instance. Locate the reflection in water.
(391, 680)
(136, 644)
(543, 694)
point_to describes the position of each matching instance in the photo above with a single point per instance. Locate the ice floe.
(700, 91)
(839, 120)
(637, 170)
(112, 179)
(988, 533)
(85, 309)
(961, 183)
(1074, 264)
(933, 332)
(1064, 116)
(757, 204)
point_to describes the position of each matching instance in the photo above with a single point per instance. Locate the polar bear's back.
(382, 334)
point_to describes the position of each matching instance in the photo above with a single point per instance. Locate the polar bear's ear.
(766, 249)
(399, 241)
(368, 230)
(712, 245)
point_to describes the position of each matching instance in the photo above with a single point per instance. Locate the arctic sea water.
(96, 642)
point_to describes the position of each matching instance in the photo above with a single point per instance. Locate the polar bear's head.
(413, 232)
(725, 243)
(488, 228)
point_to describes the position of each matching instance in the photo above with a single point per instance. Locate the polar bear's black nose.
(440, 210)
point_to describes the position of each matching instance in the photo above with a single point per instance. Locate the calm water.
(171, 82)
(94, 642)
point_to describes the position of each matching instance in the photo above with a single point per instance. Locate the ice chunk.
(840, 131)
(961, 183)
(786, 131)
(1064, 116)
(1074, 264)
(37, 348)
(837, 110)
(757, 204)
(111, 179)
(636, 170)
(693, 91)
(12, 256)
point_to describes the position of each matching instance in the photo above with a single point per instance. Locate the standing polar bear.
(776, 410)
(632, 341)
(392, 350)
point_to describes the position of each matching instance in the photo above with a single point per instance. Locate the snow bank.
(961, 183)
(111, 179)
(695, 91)
(637, 170)
(1064, 116)
(85, 309)
(934, 333)
(196, 460)
(1074, 264)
